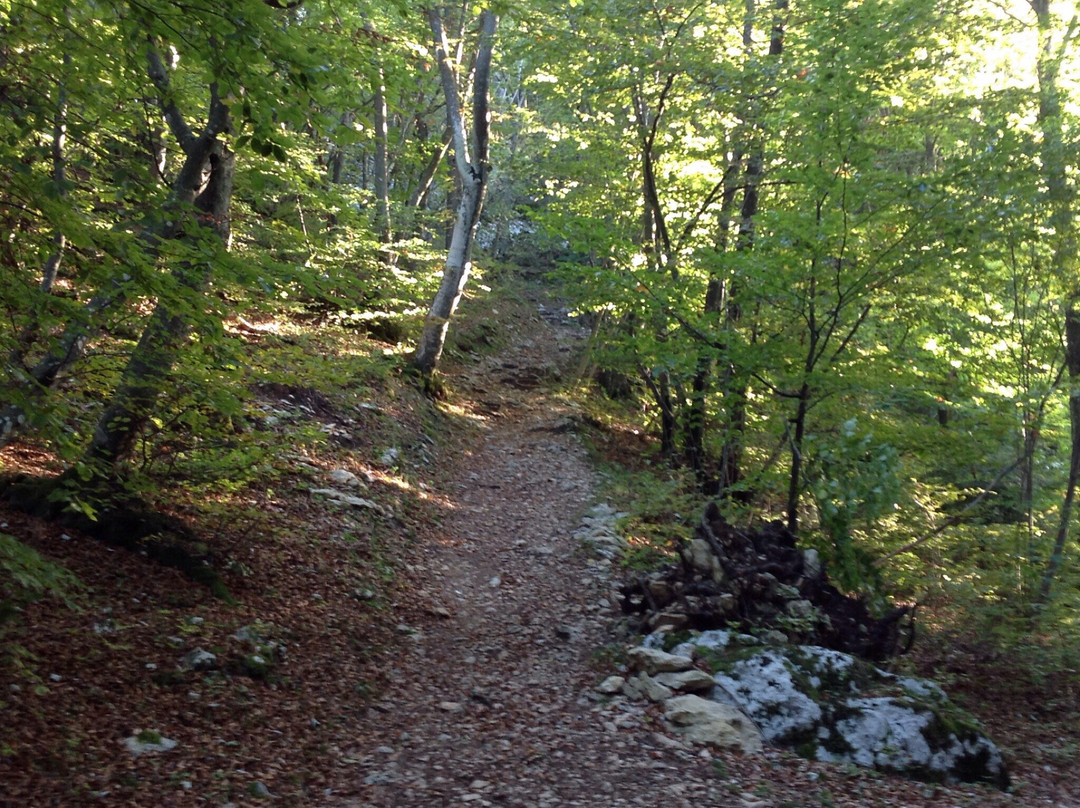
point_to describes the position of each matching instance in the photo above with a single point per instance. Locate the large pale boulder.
(831, 706)
(702, 721)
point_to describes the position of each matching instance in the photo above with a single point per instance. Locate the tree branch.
(911, 545)
(448, 75)
(159, 74)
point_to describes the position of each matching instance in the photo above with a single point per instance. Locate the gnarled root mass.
(760, 581)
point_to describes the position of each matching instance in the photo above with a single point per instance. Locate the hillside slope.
(417, 625)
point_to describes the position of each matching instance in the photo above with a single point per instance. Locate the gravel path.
(493, 704)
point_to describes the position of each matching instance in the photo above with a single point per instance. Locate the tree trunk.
(735, 383)
(205, 183)
(473, 171)
(455, 276)
(1072, 360)
(382, 179)
(162, 341)
(715, 300)
(794, 482)
(188, 187)
(1060, 216)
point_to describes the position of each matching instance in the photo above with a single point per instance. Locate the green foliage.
(853, 480)
(27, 576)
(768, 239)
(661, 510)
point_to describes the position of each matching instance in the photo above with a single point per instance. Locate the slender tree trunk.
(188, 186)
(473, 170)
(52, 264)
(382, 178)
(418, 198)
(1061, 215)
(795, 480)
(204, 184)
(32, 331)
(715, 300)
(668, 422)
(1072, 361)
(735, 383)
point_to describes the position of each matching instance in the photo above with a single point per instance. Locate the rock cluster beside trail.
(824, 704)
(598, 531)
(794, 665)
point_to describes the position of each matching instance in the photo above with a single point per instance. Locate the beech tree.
(471, 150)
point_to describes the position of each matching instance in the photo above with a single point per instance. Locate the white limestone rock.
(715, 640)
(831, 706)
(611, 686)
(691, 681)
(763, 687)
(146, 741)
(644, 686)
(345, 477)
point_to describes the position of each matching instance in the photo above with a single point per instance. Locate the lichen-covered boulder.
(832, 706)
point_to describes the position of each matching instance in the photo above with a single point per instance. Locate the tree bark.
(162, 341)
(1059, 199)
(715, 301)
(382, 178)
(203, 189)
(735, 383)
(189, 184)
(471, 158)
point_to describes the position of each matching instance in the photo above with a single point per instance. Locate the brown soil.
(443, 653)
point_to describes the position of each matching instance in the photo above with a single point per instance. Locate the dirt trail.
(492, 699)
(493, 704)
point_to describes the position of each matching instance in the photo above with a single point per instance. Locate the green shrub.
(26, 576)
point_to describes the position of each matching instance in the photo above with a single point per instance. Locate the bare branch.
(911, 545)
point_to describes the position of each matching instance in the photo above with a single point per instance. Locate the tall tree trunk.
(1072, 359)
(52, 264)
(32, 331)
(1059, 200)
(795, 480)
(473, 170)
(382, 177)
(735, 383)
(204, 185)
(715, 300)
(151, 363)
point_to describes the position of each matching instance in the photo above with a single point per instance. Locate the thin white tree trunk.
(471, 158)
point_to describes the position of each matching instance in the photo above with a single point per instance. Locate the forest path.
(491, 702)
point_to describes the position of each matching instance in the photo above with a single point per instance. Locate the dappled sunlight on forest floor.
(364, 662)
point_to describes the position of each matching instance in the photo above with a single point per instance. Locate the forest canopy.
(828, 249)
